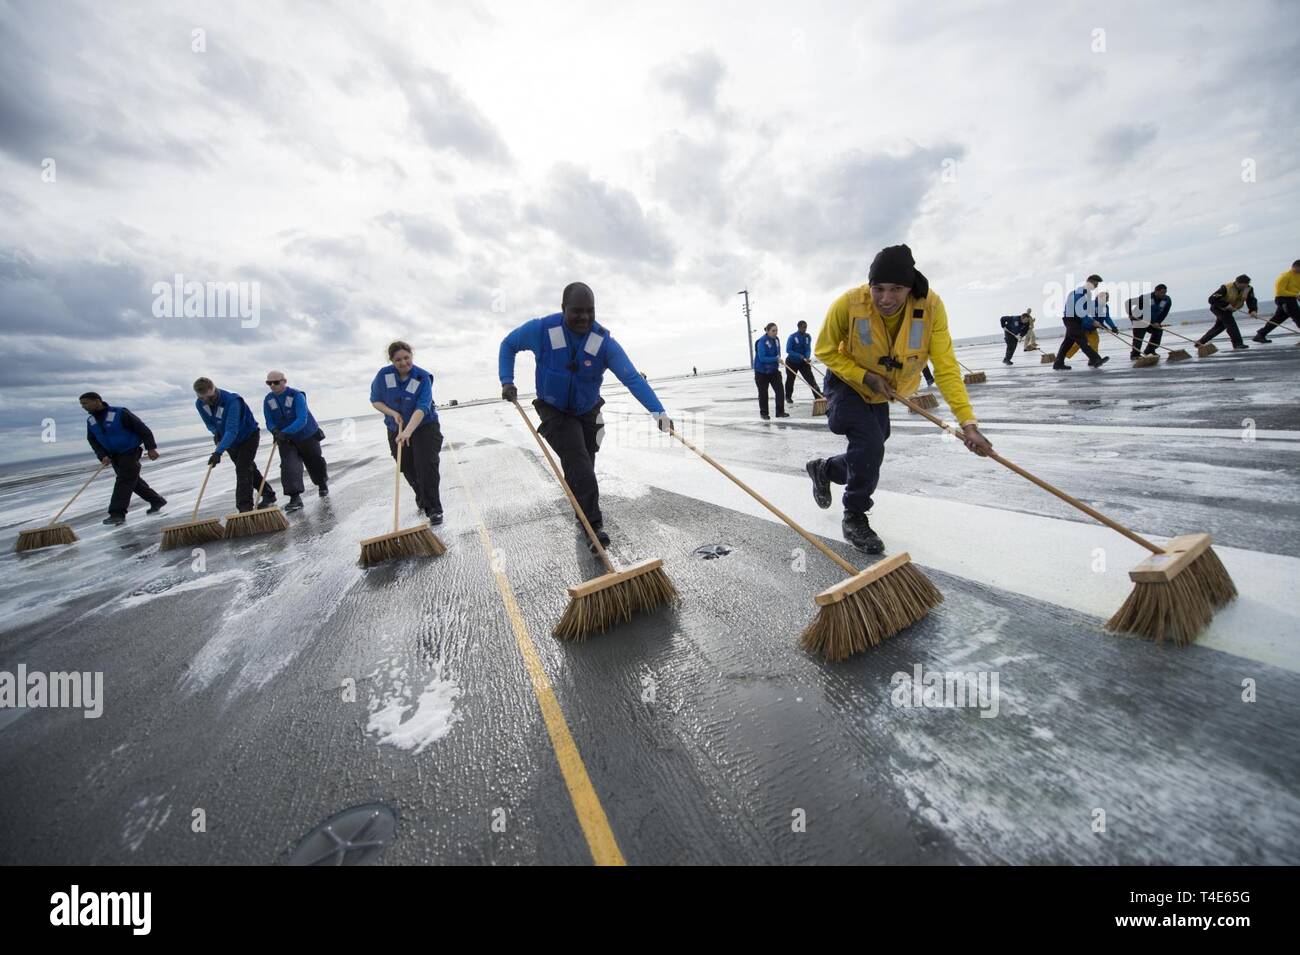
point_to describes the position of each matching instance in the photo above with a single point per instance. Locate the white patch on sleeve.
(594, 342)
(557, 336)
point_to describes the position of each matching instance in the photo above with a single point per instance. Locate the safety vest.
(869, 342)
(767, 355)
(282, 409)
(215, 418)
(402, 396)
(569, 375)
(1236, 297)
(113, 436)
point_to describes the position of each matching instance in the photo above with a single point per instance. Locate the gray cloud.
(688, 176)
(446, 118)
(601, 220)
(419, 232)
(340, 248)
(694, 79)
(1120, 143)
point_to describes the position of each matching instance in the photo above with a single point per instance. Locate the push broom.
(1278, 329)
(1202, 351)
(418, 541)
(863, 611)
(194, 531)
(1142, 361)
(972, 378)
(615, 596)
(819, 402)
(1176, 590)
(53, 532)
(260, 520)
(1175, 354)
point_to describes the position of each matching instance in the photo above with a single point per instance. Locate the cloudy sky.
(438, 172)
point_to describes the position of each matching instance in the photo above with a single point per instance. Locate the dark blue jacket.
(570, 370)
(767, 355)
(798, 348)
(287, 414)
(1140, 306)
(404, 397)
(116, 431)
(1013, 324)
(231, 420)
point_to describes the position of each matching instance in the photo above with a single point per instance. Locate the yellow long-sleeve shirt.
(1288, 284)
(947, 373)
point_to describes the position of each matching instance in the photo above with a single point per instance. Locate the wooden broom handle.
(1133, 342)
(595, 541)
(397, 482)
(813, 387)
(202, 487)
(844, 564)
(1183, 337)
(266, 471)
(1073, 501)
(101, 467)
(1277, 329)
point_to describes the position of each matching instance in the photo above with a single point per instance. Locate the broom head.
(975, 378)
(260, 520)
(924, 401)
(819, 407)
(1175, 593)
(1146, 361)
(597, 605)
(45, 537)
(418, 541)
(1177, 354)
(1206, 350)
(1046, 359)
(863, 611)
(191, 533)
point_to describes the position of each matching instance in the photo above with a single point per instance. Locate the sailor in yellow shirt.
(877, 337)
(1285, 294)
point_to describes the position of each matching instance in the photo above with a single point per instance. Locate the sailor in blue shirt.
(403, 392)
(798, 359)
(1147, 314)
(234, 430)
(295, 430)
(767, 371)
(1080, 311)
(572, 352)
(120, 438)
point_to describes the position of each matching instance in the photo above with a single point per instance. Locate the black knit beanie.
(893, 265)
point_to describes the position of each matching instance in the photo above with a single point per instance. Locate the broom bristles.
(263, 520)
(1205, 351)
(924, 401)
(1177, 354)
(412, 542)
(1179, 609)
(975, 378)
(1046, 359)
(596, 610)
(188, 535)
(819, 407)
(871, 614)
(45, 537)
(1146, 361)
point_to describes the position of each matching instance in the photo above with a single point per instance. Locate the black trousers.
(420, 463)
(1287, 307)
(1074, 333)
(1223, 319)
(1012, 341)
(248, 478)
(765, 380)
(804, 369)
(127, 468)
(576, 439)
(1157, 333)
(866, 425)
(294, 453)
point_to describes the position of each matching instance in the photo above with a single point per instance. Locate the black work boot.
(114, 519)
(323, 490)
(268, 499)
(858, 532)
(295, 503)
(821, 483)
(155, 508)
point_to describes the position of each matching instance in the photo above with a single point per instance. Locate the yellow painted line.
(591, 815)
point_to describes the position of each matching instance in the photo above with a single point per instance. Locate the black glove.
(214, 460)
(509, 392)
(280, 438)
(216, 439)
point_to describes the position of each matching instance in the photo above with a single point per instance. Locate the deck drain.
(354, 836)
(712, 551)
